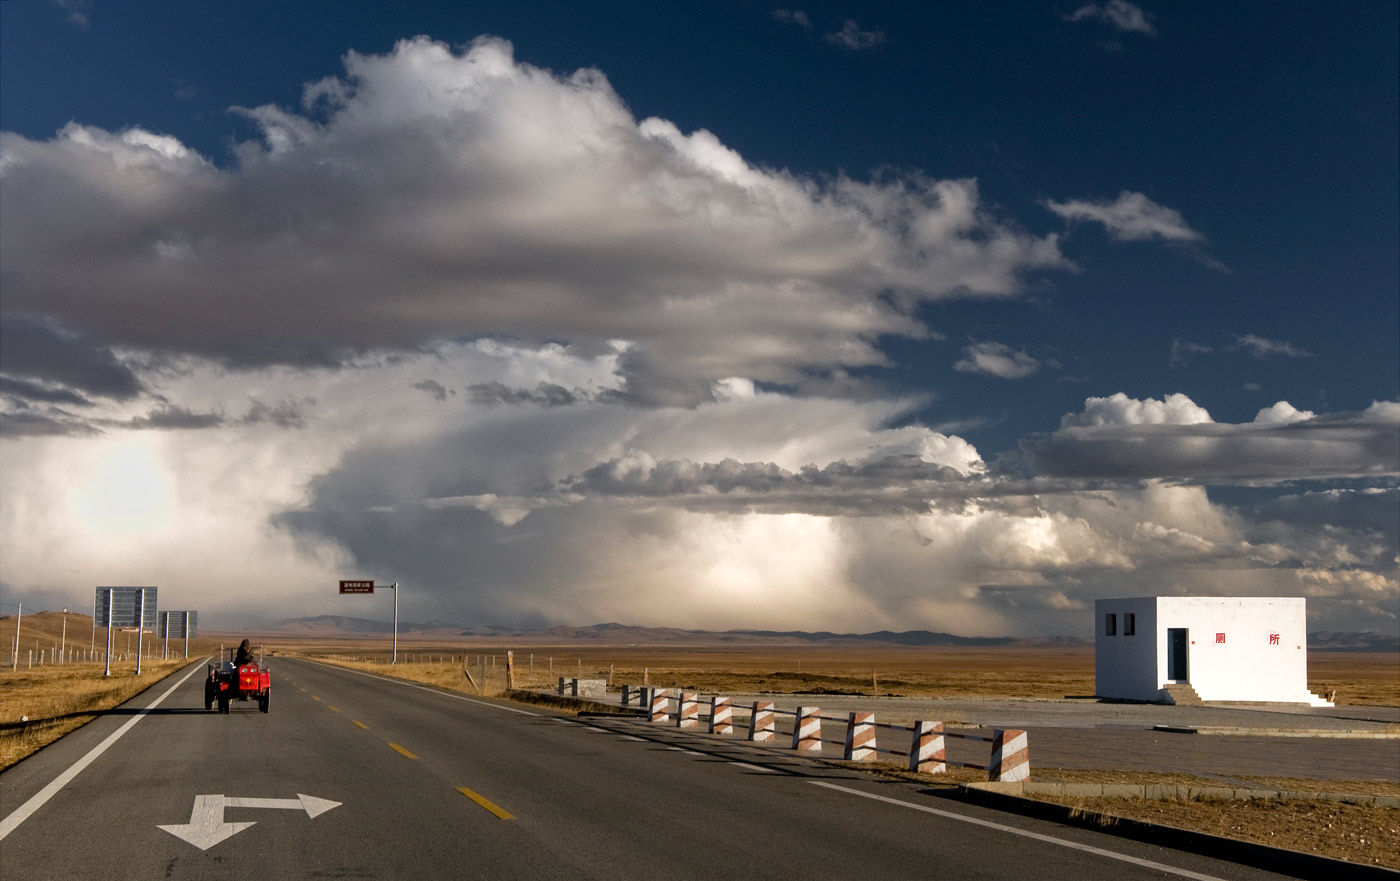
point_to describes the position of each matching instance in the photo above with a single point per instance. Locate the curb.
(1340, 733)
(1293, 863)
(1169, 793)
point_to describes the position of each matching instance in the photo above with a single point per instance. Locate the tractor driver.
(245, 654)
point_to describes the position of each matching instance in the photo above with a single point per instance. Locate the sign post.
(176, 623)
(125, 607)
(368, 587)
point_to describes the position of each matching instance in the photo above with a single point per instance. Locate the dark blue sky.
(1178, 208)
(1270, 127)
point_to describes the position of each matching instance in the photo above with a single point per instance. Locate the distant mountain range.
(342, 626)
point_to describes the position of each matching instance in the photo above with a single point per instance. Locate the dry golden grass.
(59, 699)
(1362, 834)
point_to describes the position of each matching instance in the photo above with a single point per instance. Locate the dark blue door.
(1177, 667)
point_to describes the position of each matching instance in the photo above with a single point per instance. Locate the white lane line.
(422, 688)
(633, 737)
(22, 813)
(1048, 839)
(749, 767)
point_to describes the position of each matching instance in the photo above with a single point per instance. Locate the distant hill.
(1370, 641)
(49, 624)
(612, 632)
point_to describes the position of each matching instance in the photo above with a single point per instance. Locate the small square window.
(1129, 623)
(1110, 624)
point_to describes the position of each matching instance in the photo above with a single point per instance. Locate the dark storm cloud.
(433, 389)
(285, 414)
(30, 391)
(51, 422)
(546, 394)
(168, 417)
(40, 350)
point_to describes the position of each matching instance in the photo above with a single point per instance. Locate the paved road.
(433, 786)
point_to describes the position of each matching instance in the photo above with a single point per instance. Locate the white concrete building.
(1226, 648)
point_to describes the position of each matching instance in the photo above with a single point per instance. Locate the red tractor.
(228, 682)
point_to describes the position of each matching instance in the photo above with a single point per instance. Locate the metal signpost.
(125, 607)
(368, 587)
(177, 624)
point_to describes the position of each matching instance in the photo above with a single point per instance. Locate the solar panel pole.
(140, 627)
(396, 623)
(109, 633)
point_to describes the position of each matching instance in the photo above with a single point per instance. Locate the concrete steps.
(1182, 694)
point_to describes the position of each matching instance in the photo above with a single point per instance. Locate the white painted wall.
(1239, 648)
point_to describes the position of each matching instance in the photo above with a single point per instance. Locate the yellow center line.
(401, 751)
(361, 724)
(485, 803)
(332, 709)
(315, 698)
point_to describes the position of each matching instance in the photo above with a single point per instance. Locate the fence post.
(510, 669)
(561, 685)
(807, 730)
(626, 694)
(721, 716)
(860, 737)
(660, 697)
(927, 753)
(1011, 756)
(688, 713)
(761, 722)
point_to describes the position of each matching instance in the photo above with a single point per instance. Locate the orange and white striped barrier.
(761, 727)
(721, 716)
(927, 750)
(688, 712)
(660, 703)
(1011, 757)
(860, 737)
(807, 730)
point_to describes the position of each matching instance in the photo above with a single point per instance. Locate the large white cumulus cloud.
(432, 194)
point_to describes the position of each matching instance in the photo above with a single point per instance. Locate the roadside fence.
(926, 751)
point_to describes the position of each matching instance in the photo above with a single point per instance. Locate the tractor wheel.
(262, 701)
(208, 695)
(223, 704)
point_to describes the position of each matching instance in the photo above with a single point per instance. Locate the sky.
(810, 316)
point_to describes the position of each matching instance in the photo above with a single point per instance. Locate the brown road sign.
(357, 587)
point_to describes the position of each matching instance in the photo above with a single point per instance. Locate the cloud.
(793, 16)
(77, 12)
(996, 359)
(1184, 350)
(493, 199)
(1132, 217)
(1174, 438)
(37, 349)
(1262, 348)
(1120, 14)
(852, 36)
(436, 390)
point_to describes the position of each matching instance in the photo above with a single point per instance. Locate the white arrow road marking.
(207, 828)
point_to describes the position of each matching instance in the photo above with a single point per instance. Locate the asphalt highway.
(355, 776)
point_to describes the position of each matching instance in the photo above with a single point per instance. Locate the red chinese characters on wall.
(1273, 639)
(1219, 639)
